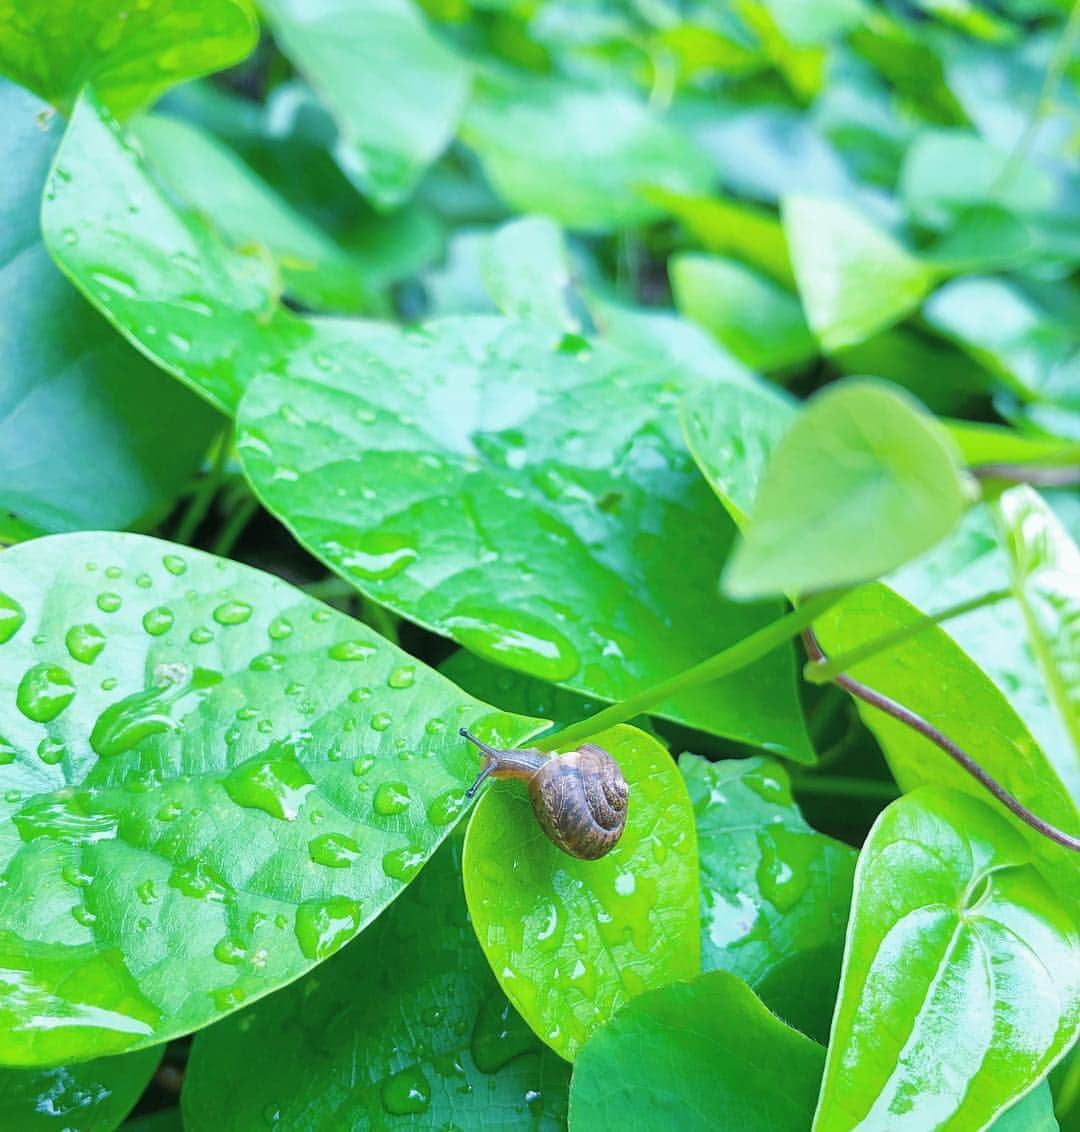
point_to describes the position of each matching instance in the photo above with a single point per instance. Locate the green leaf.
(981, 443)
(91, 434)
(863, 481)
(732, 431)
(1034, 1113)
(961, 981)
(774, 892)
(523, 495)
(204, 764)
(93, 1095)
(933, 676)
(130, 55)
(1046, 580)
(406, 1027)
(570, 941)
(854, 279)
(579, 154)
(527, 272)
(697, 1056)
(211, 179)
(396, 92)
(161, 276)
(760, 323)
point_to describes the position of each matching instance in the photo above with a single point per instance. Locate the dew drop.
(403, 864)
(446, 808)
(322, 926)
(84, 643)
(11, 618)
(499, 1035)
(44, 691)
(274, 781)
(174, 564)
(83, 915)
(197, 879)
(232, 613)
(360, 766)
(391, 798)
(200, 635)
(64, 817)
(267, 662)
(334, 850)
(144, 581)
(402, 677)
(127, 722)
(109, 602)
(8, 753)
(352, 650)
(158, 620)
(229, 951)
(529, 643)
(406, 1093)
(51, 751)
(279, 629)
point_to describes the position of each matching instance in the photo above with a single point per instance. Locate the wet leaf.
(570, 941)
(861, 457)
(523, 494)
(406, 1026)
(986, 996)
(199, 763)
(130, 55)
(774, 892)
(698, 1055)
(527, 272)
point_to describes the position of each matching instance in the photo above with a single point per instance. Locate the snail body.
(579, 798)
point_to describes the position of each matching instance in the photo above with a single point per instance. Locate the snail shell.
(579, 798)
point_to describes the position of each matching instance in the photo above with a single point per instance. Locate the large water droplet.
(174, 564)
(197, 879)
(84, 643)
(64, 817)
(403, 864)
(109, 602)
(157, 621)
(232, 613)
(784, 870)
(406, 1093)
(391, 798)
(446, 808)
(51, 751)
(11, 618)
(499, 1035)
(279, 629)
(44, 691)
(529, 643)
(352, 650)
(374, 556)
(402, 677)
(322, 926)
(127, 722)
(273, 781)
(334, 850)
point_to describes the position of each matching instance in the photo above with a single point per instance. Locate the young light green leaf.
(961, 979)
(579, 154)
(527, 272)
(130, 55)
(92, 1095)
(757, 321)
(199, 762)
(774, 892)
(412, 1031)
(982, 443)
(854, 279)
(210, 178)
(862, 482)
(394, 89)
(698, 1056)
(162, 277)
(91, 434)
(524, 494)
(1046, 580)
(570, 941)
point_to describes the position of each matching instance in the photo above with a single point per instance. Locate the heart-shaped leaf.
(395, 90)
(522, 494)
(863, 481)
(854, 279)
(91, 434)
(961, 981)
(95, 1095)
(130, 54)
(570, 941)
(406, 1026)
(161, 276)
(774, 892)
(200, 763)
(696, 1056)
(579, 154)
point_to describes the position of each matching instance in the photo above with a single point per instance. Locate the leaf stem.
(736, 656)
(1038, 475)
(826, 671)
(204, 493)
(923, 727)
(234, 528)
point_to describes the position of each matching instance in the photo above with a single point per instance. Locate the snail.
(579, 798)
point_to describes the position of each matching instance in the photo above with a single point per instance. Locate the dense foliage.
(372, 369)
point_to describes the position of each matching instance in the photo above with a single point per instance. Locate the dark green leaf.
(405, 1028)
(570, 941)
(961, 981)
(204, 764)
(697, 1056)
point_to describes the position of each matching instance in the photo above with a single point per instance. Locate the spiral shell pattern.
(580, 800)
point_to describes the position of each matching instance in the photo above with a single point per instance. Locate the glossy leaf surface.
(570, 941)
(860, 457)
(527, 272)
(774, 892)
(961, 980)
(697, 1056)
(130, 54)
(405, 1028)
(395, 90)
(92, 1096)
(522, 494)
(199, 763)
(129, 436)
(161, 276)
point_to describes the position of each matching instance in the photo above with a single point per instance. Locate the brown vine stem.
(929, 731)
(1038, 475)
